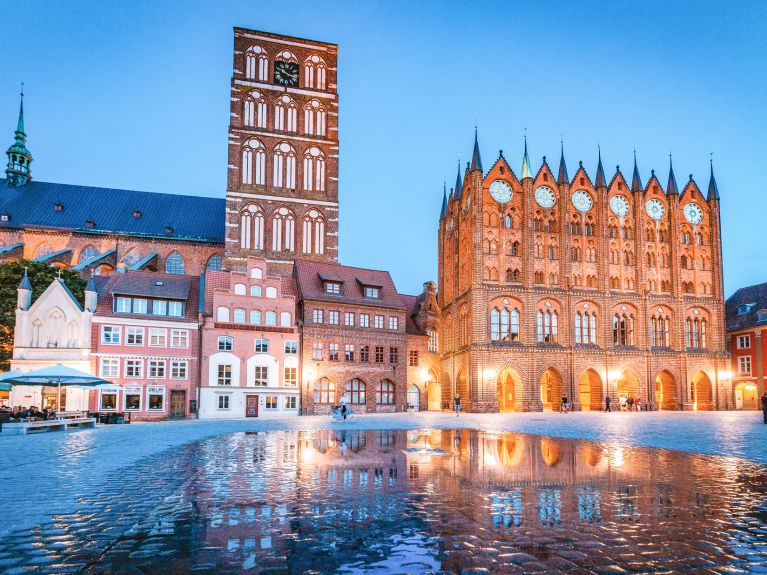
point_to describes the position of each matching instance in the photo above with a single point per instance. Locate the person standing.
(764, 406)
(608, 401)
(638, 404)
(630, 403)
(457, 404)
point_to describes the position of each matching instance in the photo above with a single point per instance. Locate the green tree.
(40, 276)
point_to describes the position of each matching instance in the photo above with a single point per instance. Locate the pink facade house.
(145, 340)
(250, 345)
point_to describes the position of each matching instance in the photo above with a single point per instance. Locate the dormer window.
(58, 206)
(761, 316)
(90, 224)
(333, 288)
(5, 217)
(137, 214)
(745, 308)
(168, 231)
(372, 292)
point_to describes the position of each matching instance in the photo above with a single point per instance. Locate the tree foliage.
(40, 276)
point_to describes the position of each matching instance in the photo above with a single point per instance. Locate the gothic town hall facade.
(551, 287)
(548, 286)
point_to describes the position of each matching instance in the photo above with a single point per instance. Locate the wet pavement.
(395, 501)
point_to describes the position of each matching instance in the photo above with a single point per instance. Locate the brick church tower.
(553, 287)
(282, 180)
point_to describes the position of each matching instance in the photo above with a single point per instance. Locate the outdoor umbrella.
(7, 375)
(55, 376)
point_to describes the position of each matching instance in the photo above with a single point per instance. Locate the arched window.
(255, 291)
(271, 318)
(256, 64)
(313, 233)
(239, 289)
(684, 262)
(355, 392)
(314, 118)
(324, 391)
(285, 319)
(284, 166)
(585, 324)
(315, 72)
(314, 169)
(252, 228)
(285, 114)
(253, 163)
(239, 315)
(659, 330)
(385, 392)
(174, 264)
(546, 325)
(695, 332)
(271, 292)
(88, 254)
(623, 329)
(255, 317)
(504, 324)
(214, 263)
(42, 250)
(222, 314)
(254, 111)
(283, 230)
(132, 258)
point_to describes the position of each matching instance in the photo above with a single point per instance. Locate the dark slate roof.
(458, 182)
(192, 218)
(175, 287)
(412, 303)
(308, 276)
(25, 283)
(159, 285)
(756, 295)
(443, 210)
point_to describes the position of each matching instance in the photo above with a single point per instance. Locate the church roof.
(746, 308)
(45, 205)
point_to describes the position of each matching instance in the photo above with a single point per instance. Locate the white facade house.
(56, 329)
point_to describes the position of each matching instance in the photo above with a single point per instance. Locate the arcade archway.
(590, 390)
(665, 391)
(702, 392)
(509, 385)
(551, 389)
(629, 386)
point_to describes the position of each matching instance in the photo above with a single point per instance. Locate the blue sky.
(135, 95)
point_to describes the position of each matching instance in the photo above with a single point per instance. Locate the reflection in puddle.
(439, 500)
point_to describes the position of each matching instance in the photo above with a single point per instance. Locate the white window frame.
(349, 319)
(159, 307)
(133, 390)
(132, 362)
(393, 322)
(333, 317)
(158, 332)
(364, 320)
(260, 374)
(182, 335)
(131, 330)
(225, 340)
(172, 306)
(744, 365)
(114, 329)
(155, 364)
(317, 316)
(290, 402)
(289, 382)
(378, 321)
(114, 367)
(291, 347)
(123, 304)
(140, 305)
(179, 365)
(744, 342)
(219, 377)
(108, 391)
(156, 390)
(273, 400)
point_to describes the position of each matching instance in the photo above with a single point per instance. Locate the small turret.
(636, 180)
(713, 189)
(476, 159)
(601, 181)
(562, 176)
(19, 158)
(24, 297)
(91, 295)
(671, 188)
(526, 171)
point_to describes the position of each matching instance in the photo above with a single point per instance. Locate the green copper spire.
(19, 158)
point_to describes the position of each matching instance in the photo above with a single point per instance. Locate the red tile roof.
(756, 298)
(308, 276)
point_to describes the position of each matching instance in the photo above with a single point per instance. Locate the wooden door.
(251, 406)
(178, 403)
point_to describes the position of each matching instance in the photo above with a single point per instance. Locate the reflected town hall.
(548, 285)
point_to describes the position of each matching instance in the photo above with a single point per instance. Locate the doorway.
(746, 396)
(251, 406)
(177, 403)
(551, 389)
(414, 397)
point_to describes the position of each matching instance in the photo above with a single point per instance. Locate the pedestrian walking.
(630, 403)
(764, 406)
(608, 401)
(638, 404)
(457, 404)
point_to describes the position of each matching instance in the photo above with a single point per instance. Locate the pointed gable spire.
(458, 182)
(601, 181)
(526, 171)
(671, 188)
(562, 177)
(713, 189)
(476, 160)
(25, 283)
(636, 181)
(19, 158)
(443, 211)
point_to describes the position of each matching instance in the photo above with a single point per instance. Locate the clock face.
(545, 197)
(582, 201)
(619, 205)
(501, 191)
(286, 73)
(693, 213)
(655, 209)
